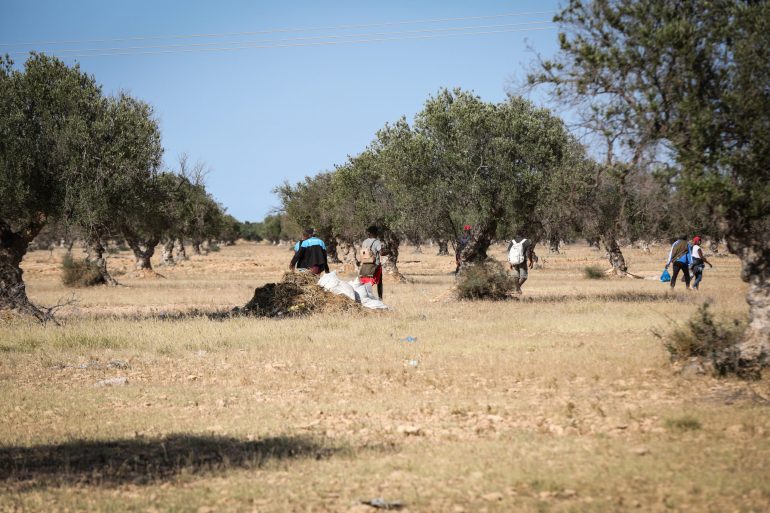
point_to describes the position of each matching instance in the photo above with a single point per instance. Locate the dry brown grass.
(562, 401)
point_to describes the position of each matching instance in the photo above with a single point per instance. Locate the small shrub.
(707, 338)
(684, 423)
(80, 273)
(593, 272)
(214, 247)
(488, 280)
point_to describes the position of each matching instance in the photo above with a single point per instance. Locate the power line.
(281, 30)
(247, 46)
(294, 39)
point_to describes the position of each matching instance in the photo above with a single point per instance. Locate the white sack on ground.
(355, 290)
(331, 283)
(368, 299)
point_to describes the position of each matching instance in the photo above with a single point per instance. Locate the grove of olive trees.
(74, 159)
(505, 169)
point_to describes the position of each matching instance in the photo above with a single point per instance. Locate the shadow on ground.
(146, 460)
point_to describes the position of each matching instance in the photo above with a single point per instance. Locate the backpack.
(516, 253)
(368, 255)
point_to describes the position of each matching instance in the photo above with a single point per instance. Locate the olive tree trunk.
(167, 257)
(615, 255)
(475, 252)
(198, 248)
(143, 252)
(331, 250)
(392, 244)
(181, 252)
(13, 292)
(95, 255)
(754, 252)
(443, 247)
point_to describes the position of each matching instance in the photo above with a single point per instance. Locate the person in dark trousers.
(681, 257)
(520, 258)
(698, 262)
(371, 262)
(463, 241)
(310, 254)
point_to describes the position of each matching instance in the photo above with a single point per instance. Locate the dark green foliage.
(593, 272)
(251, 231)
(213, 247)
(705, 337)
(487, 280)
(684, 82)
(80, 273)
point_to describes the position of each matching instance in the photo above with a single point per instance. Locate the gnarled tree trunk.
(392, 243)
(13, 247)
(615, 255)
(95, 255)
(482, 233)
(143, 251)
(443, 247)
(181, 252)
(196, 245)
(167, 257)
(754, 252)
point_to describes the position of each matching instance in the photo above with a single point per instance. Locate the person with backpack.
(519, 251)
(310, 254)
(698, 261)
(681, 256)
(370, 257)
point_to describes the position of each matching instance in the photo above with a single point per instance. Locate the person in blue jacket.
(681, 256)
(310, 254)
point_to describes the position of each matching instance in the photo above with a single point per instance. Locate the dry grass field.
(562, 401)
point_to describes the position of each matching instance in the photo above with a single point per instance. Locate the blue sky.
(260, 116)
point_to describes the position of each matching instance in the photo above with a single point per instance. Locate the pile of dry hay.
(295, 295)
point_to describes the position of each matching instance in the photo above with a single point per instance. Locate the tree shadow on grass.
(146, 460)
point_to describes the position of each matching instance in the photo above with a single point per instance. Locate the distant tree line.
(74, 161)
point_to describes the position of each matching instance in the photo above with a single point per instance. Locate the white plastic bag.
(333, 284)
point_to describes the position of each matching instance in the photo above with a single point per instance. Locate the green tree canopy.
(689, 82)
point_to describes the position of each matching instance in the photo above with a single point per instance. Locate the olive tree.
(115, 189)
(309, 205)
(687, 80)
(47, 114)
(494, 165)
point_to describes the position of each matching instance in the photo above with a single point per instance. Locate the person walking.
(463, 241)
(520, 250)
(310, 254)
(681, 257)
(698, 261)
(371, 264)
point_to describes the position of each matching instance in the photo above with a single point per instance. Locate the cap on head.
(467, 227)
(696, 239)
(308, 232)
